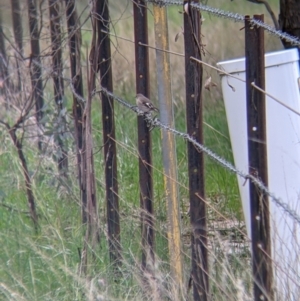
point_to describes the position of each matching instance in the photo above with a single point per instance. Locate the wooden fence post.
(168, 146)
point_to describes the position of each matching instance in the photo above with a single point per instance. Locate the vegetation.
(46, 264)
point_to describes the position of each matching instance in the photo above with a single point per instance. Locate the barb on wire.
(79, 97)
(155, 122)
(282, 35)
(233, 16)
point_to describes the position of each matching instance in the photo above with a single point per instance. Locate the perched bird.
(144, 104)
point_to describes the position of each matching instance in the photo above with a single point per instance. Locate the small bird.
(144, 104)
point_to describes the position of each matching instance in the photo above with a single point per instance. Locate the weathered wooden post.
(168, 145)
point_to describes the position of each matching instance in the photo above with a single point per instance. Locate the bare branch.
(269, 9)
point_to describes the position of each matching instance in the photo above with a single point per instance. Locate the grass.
(44, 265)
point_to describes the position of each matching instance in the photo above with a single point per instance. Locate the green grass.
(44, 266)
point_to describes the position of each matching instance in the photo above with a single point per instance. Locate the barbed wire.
(155, 122)
(221, 71)
(233, 16)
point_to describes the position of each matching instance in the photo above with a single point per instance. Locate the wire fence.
(229, 261)
(153, 123)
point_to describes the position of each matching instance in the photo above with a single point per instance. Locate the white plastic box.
(283, 151)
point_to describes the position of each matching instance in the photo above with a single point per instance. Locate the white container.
(283, 151)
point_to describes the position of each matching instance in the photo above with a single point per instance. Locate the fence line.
(232, 16)
(197, 146)
(154, 122)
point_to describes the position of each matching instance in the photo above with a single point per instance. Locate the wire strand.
(154, 122)
(232, 16)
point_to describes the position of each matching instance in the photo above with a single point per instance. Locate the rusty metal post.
(18, 34)
(56, 45)
(74, 37)
(4, 75)
(110, 153)
(168, 144)
(194, 112)
(257, 155)
(35, 65)
(144, 137)
(17, 23)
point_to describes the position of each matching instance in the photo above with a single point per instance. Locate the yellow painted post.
(168, 146)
